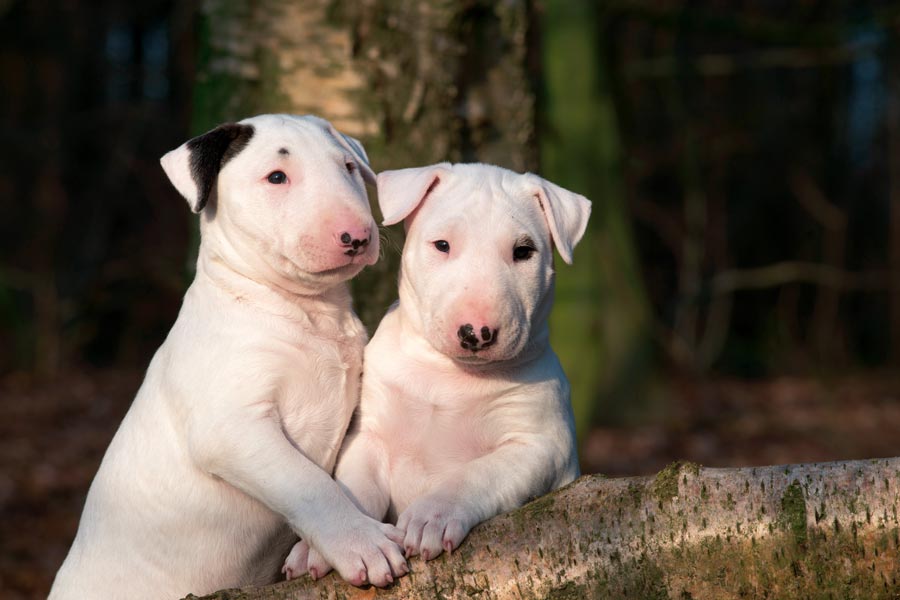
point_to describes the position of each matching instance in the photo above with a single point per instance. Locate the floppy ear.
(194, 166)
(566, 213)
(355, 147)
(402, 190)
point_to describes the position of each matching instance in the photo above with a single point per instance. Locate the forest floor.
(53, 435)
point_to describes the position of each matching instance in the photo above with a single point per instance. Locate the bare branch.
(783, 273)
(813, 200)
(722, 65)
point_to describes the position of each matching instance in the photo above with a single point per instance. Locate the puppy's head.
(477, 267)
(281, 196)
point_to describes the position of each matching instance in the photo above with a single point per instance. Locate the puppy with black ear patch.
(465, 410)
(226, 452)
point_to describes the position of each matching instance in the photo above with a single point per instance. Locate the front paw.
(303, 559)
(434, 524)
(296, 562)
(366, 553)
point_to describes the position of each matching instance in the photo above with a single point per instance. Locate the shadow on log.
(825, 530)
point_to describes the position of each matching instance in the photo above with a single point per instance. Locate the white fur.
(445, 437)
(226, 453)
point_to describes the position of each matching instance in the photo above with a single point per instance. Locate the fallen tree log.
(825, 530)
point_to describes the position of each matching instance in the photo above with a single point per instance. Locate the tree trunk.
(417, 82)
(823, 530)
(601, 322)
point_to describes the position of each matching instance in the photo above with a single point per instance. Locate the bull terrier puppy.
(465, 408)
(226, 452)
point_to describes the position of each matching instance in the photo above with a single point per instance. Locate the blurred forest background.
(736, 300)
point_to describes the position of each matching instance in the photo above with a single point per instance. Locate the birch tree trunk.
(417, 82)
(799, 531)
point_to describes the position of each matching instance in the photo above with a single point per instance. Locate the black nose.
(355, 245)
(469, 340)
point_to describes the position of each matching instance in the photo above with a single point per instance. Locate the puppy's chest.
(319, 395)
(437, 427)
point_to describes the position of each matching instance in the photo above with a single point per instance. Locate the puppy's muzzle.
(476, 340)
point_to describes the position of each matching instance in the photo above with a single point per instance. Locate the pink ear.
(359, 153)
(401, 191)
(177, 166)
(566, 212)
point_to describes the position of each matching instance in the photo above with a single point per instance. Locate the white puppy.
(465, 409)
(227, 450)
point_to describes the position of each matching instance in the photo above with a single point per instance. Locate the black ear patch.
(210, 152)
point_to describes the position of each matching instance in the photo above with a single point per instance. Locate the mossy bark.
(417, 82)
(799, 531)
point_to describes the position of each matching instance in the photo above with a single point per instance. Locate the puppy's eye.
(523, 252)
(442, 246)
(277, 177)
(351, 167)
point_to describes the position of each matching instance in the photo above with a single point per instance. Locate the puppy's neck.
(325, 309)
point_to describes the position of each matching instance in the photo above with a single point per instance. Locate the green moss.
(793, 513)
(636, 493)
(665, 485)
